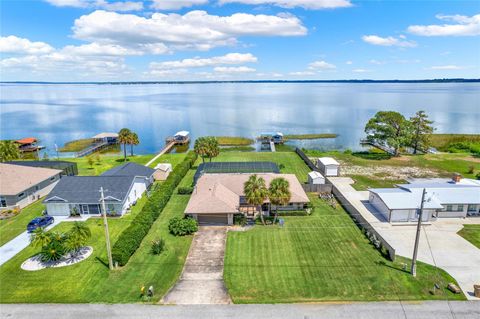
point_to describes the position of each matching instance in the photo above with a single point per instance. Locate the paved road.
(202, 279)
(381, 310)
(439, 243)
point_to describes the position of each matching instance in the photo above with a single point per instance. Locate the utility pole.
(417, 238)
(107, 234)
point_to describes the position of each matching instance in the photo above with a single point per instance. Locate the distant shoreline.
(452, 80)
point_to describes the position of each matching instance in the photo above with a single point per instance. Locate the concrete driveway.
(201, 281)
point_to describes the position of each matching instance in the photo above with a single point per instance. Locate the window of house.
(472, 208)
(449, 208)
(459, 208)
(21, 195)
(3, 202)
(110, 208)
(52, 178)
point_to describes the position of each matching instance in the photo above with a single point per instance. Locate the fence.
(317, 188)
(307, 161)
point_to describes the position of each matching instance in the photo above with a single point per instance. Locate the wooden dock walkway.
(380, 147)
(163, 151)
(272, 146)
(91, 149)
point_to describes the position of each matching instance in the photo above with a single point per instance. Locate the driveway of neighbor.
(19, 243)
(201, 281)
(439, 245)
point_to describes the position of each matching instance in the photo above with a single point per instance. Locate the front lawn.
(91, 280)
(14, 226)
(471, 233)
(323, 257)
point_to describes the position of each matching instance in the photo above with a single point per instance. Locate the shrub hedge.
(131, 238)
(186, 190)
(182, 226)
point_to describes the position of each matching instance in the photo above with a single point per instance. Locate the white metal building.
(328, 166)
(315, 178)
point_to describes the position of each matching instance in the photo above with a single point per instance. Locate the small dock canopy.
(315, 178)
(28, 144)
(328, 166)
(276, 137)
(27, 140)
(106, 137)
(181, 137)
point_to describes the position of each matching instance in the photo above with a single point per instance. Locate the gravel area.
(34, 263)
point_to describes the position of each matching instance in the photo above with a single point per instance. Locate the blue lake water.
(57, 113)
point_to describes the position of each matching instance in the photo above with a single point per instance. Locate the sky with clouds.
(162, 40)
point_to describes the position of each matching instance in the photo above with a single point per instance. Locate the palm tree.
(201, 147)
(133, 141)
(124, 138)
(8, 151)
(213, 148)
(279, 194)
(40, 238)
(255, 192)
(81, 230)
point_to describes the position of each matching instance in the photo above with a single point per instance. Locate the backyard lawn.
(367, 171)
(471, 233)
(109, 161)
(90, 280)
(14, 226)
(323, 257)
(289, 162)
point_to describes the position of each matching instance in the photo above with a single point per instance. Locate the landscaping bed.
(322, 257)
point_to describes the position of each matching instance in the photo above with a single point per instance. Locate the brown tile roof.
(27, 140)
(220, 193)
(14, 179)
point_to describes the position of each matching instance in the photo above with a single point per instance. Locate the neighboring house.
(28, 144)
(315, 178)
(106, 137)
(217, 197)
(162, 171)
(122, 185)
(444, 199)
(328, 166)
(23, 185)
(68, 168)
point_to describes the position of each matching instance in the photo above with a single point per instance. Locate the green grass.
(76, 145)
(109, 161)
(471, 233)
(234, 141)
(14, 226)
(323, 257)
(237, 149)
(289, 162)
(309, 136)
(363, 182)
(90, 280)
(442, 141)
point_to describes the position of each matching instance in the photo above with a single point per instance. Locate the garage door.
(213, 219)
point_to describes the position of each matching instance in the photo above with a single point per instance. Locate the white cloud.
(360, 71)
(13, 44)
(95, 49)
(230, 58)
(99, 4)
(176, 4)
(388, 41)
(321, 65)
(193, 30)
(349, 62)
(167, 73)
(306, 4)
(302, 73)
(446, 67)
(463, 26)
(233, 69)
(373, 61)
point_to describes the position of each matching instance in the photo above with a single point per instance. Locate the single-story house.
(122, 185)
(22, 185)
(328, 166)
(217, 197)
(162, 171)
(107, 137)
(444, 198)
(68, 168)
(315, 178)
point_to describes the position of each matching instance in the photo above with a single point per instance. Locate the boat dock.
(179, 138)
(102, 141)
(376, 145)
(164, 150)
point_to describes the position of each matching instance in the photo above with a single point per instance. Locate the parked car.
(38, 222)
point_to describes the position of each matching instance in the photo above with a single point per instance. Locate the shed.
(162, 171)
(328, 166)
(315, 178)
